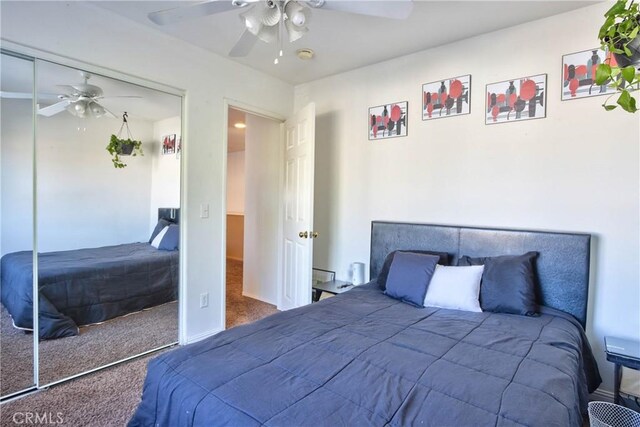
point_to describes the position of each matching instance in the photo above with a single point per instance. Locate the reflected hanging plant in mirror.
(123, 147)
(619, 36)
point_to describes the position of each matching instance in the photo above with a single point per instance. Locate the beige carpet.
(95, 346)
(242, 309)
(109, 397)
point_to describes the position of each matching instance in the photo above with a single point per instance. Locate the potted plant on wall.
(619, 36)
(123, 147)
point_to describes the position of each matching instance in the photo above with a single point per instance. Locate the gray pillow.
(162, 223)
(171, 239)
(409, 277)
(508, 283)
(444, 259)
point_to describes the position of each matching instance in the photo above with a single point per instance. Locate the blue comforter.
(87, 286)
(364, 359)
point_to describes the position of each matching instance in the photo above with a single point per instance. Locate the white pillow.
(457, 288)
(158, 238)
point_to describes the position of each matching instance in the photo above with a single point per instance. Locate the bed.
(86, 286)
(362, 358)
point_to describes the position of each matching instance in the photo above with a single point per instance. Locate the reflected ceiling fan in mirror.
(81, 100)
(273, 21)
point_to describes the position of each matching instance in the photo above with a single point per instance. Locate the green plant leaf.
(627, 102)
(609, 107)
(616, 8)
(603, 73)
(634, 32)
(628, 73)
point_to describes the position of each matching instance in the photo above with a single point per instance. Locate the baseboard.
(200, 337)
(602, 395)
(246, 294)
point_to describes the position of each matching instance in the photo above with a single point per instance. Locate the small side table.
(621, 353)
(334, 287)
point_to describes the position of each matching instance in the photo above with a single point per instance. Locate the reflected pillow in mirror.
(158, 239)
(162, 223)
(171, 239)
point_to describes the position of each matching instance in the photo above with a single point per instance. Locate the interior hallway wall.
(262, 208)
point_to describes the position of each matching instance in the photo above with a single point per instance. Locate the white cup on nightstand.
(357, 273)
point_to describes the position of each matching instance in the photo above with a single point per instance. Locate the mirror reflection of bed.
(108, 258)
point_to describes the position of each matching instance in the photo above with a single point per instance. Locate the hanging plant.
(123, 147)
(619, 36)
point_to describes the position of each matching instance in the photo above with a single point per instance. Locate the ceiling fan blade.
(397, 9)
(171, 16)
(244, 45)
(118, 96)
(26, 95)
(54, 109)
(109, 113)
(67, 88)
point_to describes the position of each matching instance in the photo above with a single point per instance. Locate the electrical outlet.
(204, 300)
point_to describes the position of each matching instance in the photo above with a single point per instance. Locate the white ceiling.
(16, 75)
(344, 41)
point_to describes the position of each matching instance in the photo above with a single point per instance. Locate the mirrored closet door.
(108, 193)
(16, 224)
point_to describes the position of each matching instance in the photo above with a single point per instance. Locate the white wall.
(235, 183)
(83, 201)
(576, 170)
(165, 169)
(207, 79)
(262, 208)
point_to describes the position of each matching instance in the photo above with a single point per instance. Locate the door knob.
(303, 235)
(314, 235)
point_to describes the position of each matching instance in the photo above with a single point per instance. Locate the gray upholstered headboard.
(562, 266)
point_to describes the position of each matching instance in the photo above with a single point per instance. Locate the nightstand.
(621, 353)
(334, 287)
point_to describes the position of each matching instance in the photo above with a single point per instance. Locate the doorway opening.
(253, 216)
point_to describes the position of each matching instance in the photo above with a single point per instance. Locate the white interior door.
(297, 256)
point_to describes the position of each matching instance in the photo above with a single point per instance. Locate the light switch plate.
(204, 210)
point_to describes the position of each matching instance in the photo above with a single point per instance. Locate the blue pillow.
(508, 283)
(171, 239)
(162, 223)
(409, 276)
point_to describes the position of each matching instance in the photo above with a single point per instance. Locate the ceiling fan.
(274, 20)
(81, 100)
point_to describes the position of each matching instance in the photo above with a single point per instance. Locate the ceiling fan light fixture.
(96, 109)
(268, 34)
(299, 18)
(78, 108)
(271, 15)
